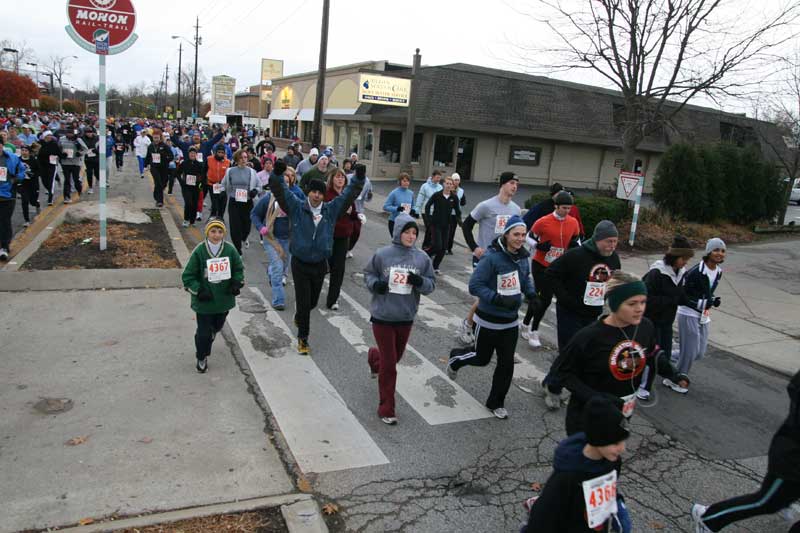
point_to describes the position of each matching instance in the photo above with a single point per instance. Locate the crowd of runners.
(614, 330)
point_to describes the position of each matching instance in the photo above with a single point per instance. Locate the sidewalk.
(147, 432)
(759, 319)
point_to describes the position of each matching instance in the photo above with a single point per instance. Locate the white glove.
(362, 218)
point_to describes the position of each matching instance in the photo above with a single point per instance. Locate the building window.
(389, 147)
(285, 129)
(308, 126)
(525, 155)
(366, 150)
(340, 139)
(354, 139)
(416, 148)
(443, 150)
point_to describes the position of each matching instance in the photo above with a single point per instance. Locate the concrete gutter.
(90, 279)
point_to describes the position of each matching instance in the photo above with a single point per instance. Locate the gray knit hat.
(714, 244)
(604, 229)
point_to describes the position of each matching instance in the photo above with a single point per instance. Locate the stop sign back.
(108, 22)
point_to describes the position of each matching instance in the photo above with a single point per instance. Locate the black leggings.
(307, 279)
(239, 220)
(93, 171)
(775, 494)
(72, 176)
(391, 229)
(191, 195)
(6, 233)
(30, 196)
(207, 327)
(537, 308)
(487, 342)
(336, 264)
(439, 233)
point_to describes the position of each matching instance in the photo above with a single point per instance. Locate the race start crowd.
(614, 330)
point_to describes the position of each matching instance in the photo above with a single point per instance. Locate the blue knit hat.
(513, 222)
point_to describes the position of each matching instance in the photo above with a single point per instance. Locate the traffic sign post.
(102, 27)
(629, 188)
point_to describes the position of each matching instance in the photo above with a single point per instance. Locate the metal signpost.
(629, 188)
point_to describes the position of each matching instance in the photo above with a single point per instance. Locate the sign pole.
(636, 205)
(102, 143)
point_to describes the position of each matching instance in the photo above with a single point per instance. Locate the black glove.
(544, 246)
(252, 194)
(361, 171)
(400, 208)
(236, 287)
(414, 279)
(508, 302)
(279, 168)
(414, 214)
(380, 287)
(716, 301)
(616, 400)
(204, 295)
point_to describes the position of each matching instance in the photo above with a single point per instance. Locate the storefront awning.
(306, 114)
(282, 114)
(340, 111)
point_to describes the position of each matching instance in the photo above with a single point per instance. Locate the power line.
(216, 41)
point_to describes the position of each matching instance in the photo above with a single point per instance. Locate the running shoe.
(49, 203)
(389, 420)
(697, 517)
(437, 272)
(533, 340)
(159, 204)
(27, 224)
(247, 244)
(185, 223)
(199, 216)
(528, 504)
(91, 190)
(551, 400)
(302, 347)
(500, 413)
(279, 307)
(643, 394)
(141, 177)
(465, 334)
(525, 331)
(67, 201)
(674, 386)
(349, 255)
(202, 365)
(284, 281)
(451, 372)
(3, 254)
(791, 514)
(335, 306)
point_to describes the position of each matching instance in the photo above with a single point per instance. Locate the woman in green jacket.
(214, 276)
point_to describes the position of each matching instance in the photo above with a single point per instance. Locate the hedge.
(593, 209)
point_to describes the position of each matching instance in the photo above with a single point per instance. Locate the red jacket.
(344, 226)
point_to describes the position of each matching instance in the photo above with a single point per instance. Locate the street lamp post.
(197, 42)
(61, 86)
(178, 107)
(36, 68)
(16, 61)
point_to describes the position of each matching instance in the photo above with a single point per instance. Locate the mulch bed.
(260, 521)
(129, 246)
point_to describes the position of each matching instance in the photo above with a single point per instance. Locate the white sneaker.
(185, 223)
(465, 334)
(452, 374)
(534, 341)
(91, 190)
(674, 386)
(525, 331)
(247, 244)
(697, 517)
(389, 420)
(349, 255)
(791, 514)
(643, 394)
(437, 272)
(199, 216)
(335, 306)
(551, 400)
(284, 280)
(3, 254)
(500, 413)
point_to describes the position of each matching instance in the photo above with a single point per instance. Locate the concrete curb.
(304, 517)
(121, 278)
(19, 259)
(197, 512)
(178, 244)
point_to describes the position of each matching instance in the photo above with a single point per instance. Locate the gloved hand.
(380, 287)
(236, 287)
(414, 214)
(252, 193)
(400, 208)
(362, 217)
(361, 171)
(716, 301)
(414, 279)
(204, 295)
(544, 246)
(279, 168)
(263, 231)
(616, 400)
(507, 302)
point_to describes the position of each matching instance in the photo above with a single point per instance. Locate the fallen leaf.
(86, 521)
(330, 508)
(443, 360)
(74, 441)
(110, 342)
(536, 486)
(656, 525)
(146, 440)
(303, 484)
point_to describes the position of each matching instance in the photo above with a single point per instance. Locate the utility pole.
(195, 111)
(178, 107)
(411, 117)
(166, 89)
(316, 129)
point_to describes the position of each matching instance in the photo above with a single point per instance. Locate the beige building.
(481, 122)
(248, 102)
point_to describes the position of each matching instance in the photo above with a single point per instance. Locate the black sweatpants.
(439, 235)
(307, 279)
(29, 189)
(173, 173)
(6, 210)
(218, 203)
(487, 342)
(72, 176)
(118, 158)
(191, 196)
(568, 324)
(355, 235)
(426, 241)
(49, 181)
(207, 328)
(452, 234)
(537, 308)
(336, 266)
(775, 494)
(391, 229)
(92, 171)
(159, 181)
(239, 221)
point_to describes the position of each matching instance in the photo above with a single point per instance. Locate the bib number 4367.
(600, 497)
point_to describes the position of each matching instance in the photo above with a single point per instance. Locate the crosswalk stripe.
(436, 398)
(322, 433)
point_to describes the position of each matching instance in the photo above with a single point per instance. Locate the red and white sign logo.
(90, 18)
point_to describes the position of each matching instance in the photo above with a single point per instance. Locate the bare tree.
(12, 61)
(659, 53)
(58, 67)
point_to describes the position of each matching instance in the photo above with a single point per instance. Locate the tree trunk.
(786, 198)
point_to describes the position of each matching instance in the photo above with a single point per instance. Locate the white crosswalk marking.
(322, 433)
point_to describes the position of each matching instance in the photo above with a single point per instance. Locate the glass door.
(464, 157)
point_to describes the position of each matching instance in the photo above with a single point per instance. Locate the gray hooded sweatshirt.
(393, 308)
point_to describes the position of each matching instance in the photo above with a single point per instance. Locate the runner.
(317, 172)
(120, 147)
(780, 487)
(213, 276)
(192, 179)
(216, 169)
(582, 495)
(291, 159)
(29, 185)
(578, 279)
(607, 357)
(49, 155)
(312, 223)
(547, 206)
(491, 216)
(241, 184)
(396, 276)
(306, 164)
(437, 217)
(91, 158)
(399, 200)
(140, 147)
(158, 158)
(550, 237)
(365, 196)
(273, 226)
(71, 154)
(699, 284)
(664, 295)
(499, 281)
(454, 222)
(341, 235)
(174, 165)
(11, 171)
(427, 190)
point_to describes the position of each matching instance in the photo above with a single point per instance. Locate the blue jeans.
(141, 164)
(277, 268)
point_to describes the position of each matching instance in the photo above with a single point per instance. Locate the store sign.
(525, 155)
(102, 26)
(383, 90)
(222, 95)
(286, 98)
(271, 69)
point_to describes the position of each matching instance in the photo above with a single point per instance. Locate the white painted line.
(322, 433)
(433, 395)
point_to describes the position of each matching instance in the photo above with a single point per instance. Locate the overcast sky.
(237, 34)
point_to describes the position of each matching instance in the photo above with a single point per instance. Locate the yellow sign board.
(271, 69)
(384, 90)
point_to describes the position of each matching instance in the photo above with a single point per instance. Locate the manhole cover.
(53, 406)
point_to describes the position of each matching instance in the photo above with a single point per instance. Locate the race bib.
(219, 269)
(508, 284)
(317, 218)
(217, 188)
(69, 152)
(90, 153)
(241, 195)
(500, 223)
(406, 208)
(199, 157)
(594, 294)
(156, 158)
(553, 254)
(705, 318)
(3, 174)
(120, 148)
(398, 281)
(628, 405)
(600, 496)
(191, 180)
(53, 159)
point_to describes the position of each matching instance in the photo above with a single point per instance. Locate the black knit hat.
(410, 224)
(680, 247)
(603, 423)
(505, 177)
(554, 188)
(563, 198)
(316, 185)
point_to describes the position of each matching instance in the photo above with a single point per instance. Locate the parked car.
(795, 197)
